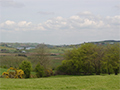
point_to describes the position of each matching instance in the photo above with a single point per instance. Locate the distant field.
(7, 54)
(60, 50)
(11, 59)
(56, 59)
(107, 82)
(3, 47)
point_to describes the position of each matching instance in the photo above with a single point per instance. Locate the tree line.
(91, 59)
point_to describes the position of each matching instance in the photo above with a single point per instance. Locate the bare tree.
(42, 55)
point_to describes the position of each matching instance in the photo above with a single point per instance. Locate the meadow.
(64, 82)
(94, 82)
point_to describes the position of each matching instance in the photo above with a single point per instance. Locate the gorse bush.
(48, 72)
(26, 67)
(39, 71)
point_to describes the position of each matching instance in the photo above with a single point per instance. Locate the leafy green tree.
(97, 60)
(39, 70)
(26, 67)
(111, 58)
(72, 67)
(73, 61)
(88, 55)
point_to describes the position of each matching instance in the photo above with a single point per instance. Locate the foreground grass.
(107, 82)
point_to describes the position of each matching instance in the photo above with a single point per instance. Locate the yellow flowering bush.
(16, 74)
(48, 72)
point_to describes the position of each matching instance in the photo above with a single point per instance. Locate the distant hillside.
(107, 42)
(15, 45)
(110, 41)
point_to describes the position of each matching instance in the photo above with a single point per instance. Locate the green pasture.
(64, 82)
(2, 70)
(59, 50)
(8, 48)
(16, 60)
(107, 82)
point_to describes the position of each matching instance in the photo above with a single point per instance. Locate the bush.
(26, 67)
(4, 66)
(33, 76)
(48, 72)
(39, 71)
(68, 67)
(60, 70)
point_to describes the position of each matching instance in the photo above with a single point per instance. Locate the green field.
(2, 70)
(107, 82)
(64, 82)
(3, 47)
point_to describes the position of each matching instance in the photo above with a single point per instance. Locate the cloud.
(46, 13)
(75, 22)
(24, 24)
(85, 13)
(7, 25)
(114, 21)
(8, 22)
(11, 3)
(20, 26)
(117, 6)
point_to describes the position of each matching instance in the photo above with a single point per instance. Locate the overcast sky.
(59, 21)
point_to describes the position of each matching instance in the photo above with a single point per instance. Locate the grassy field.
(64, 82)
(16, 60)
(2, 70)
(3, 47)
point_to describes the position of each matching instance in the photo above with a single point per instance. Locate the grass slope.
(2, 70)
(107, 82)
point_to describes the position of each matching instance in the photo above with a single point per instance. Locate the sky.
(59, 22)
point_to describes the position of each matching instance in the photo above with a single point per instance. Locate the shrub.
(47, 73)
(33, 76)
(39, 71)
(26, 67)
(4, 66)
(60, 70)
(51, 72)
(69, 67)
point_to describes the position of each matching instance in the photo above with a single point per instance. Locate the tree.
(26, 67)
(80, 60)
(88, 56)
(99, 50)
(42, 56)
(39, 70)
(111, 58)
